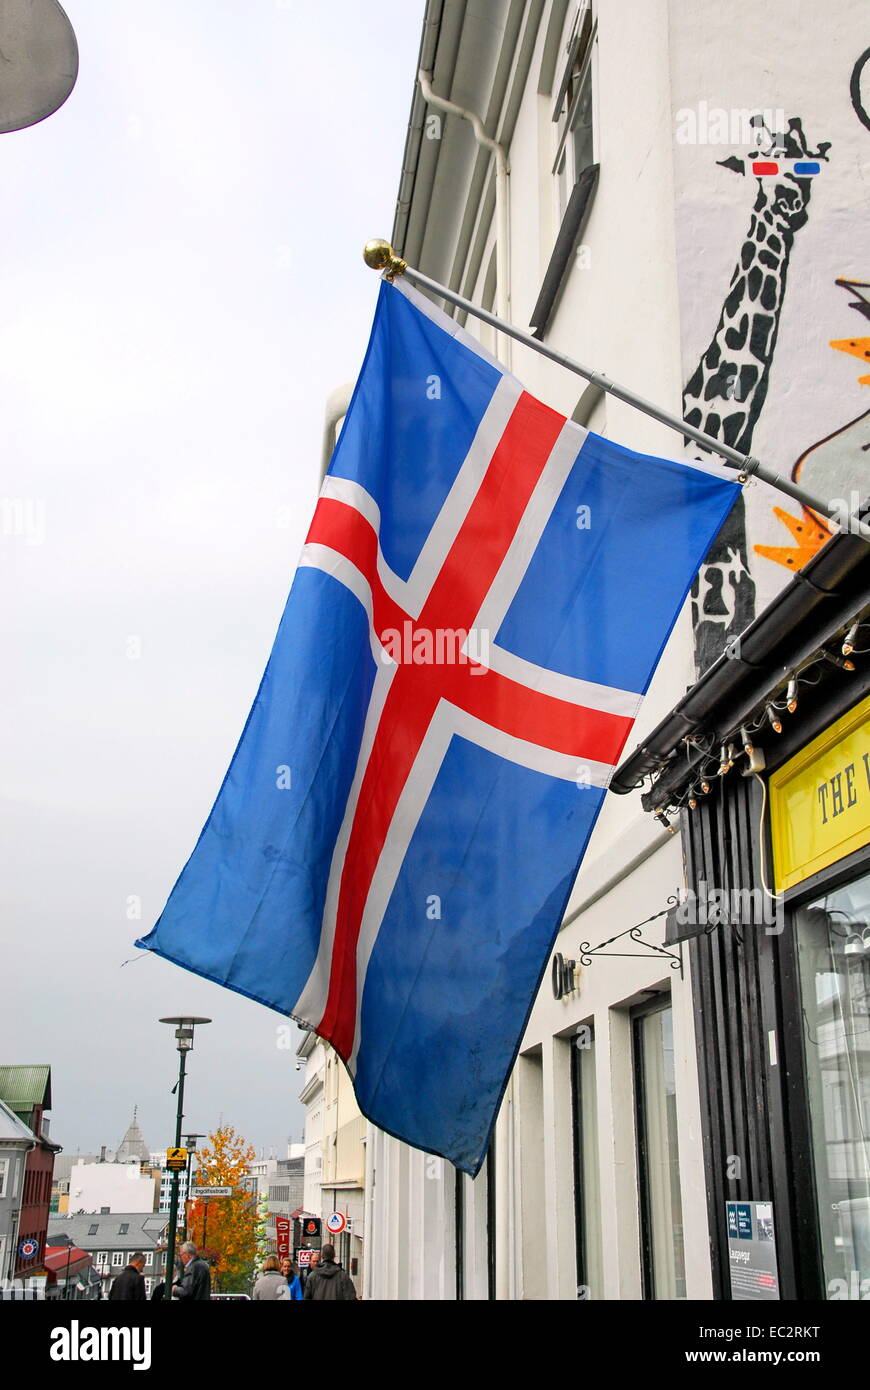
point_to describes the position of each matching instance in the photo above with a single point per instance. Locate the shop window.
(661, 1215)
(833, 936)
(587, 1207)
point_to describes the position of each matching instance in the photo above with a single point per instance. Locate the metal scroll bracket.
(636, 934)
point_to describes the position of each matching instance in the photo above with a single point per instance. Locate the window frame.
(118, 1260)
(577, 72)
(638, 1016)
(810, 1253)
(581, 1204)
(5, 1164)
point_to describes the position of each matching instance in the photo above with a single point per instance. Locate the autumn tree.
(226, 1228)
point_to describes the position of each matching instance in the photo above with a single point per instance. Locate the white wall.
(620, 315)
(118, 1186)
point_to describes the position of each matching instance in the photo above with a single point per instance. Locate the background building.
(16, 1142)
(335, 1151)
(110, 1240)
(280, 1183)
(112, 1187)
(26, 1090)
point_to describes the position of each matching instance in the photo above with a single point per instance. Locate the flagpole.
(379, 255)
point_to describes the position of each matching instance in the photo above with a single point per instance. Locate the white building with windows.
(164, 1200)
(311, 1052)
(655, 180)
(335, 1151)
(594, 1185)
(16, 1141)
(112, 1238)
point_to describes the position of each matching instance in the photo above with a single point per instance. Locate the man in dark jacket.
(196, 1280)
(130, 1284)
(328, 1282)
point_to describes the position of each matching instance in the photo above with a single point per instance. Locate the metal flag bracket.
(635, 934)
(378, 254)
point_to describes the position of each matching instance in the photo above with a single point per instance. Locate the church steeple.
(133, 1144)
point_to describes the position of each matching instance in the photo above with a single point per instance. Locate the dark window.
(123, 1228)
(661, 1216)
(92, 1230)
(833, 938)
(587, 1212)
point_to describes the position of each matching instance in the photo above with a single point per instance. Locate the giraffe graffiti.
(725, 394)
(837, 466)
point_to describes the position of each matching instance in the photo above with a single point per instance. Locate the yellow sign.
(820, 800)
(176, 1159)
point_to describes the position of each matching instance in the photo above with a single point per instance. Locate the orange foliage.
(228, 1232)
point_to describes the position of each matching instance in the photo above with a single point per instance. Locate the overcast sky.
(182, 287)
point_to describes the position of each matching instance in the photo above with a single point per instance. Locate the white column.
(559, 1170)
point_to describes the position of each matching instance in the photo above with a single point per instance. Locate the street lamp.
(184, 1042)
(190, 1145)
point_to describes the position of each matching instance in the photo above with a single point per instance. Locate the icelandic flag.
(483, 596)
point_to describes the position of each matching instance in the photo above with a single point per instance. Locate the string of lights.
(708, 759)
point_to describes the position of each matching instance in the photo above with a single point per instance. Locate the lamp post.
(184, 1034)
(190, 1145)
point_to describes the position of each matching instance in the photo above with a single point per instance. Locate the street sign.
(303, 1258)
(176, 1160)
(335, 1223)
(282, 1233)
(28, 1248)
(212, 1192)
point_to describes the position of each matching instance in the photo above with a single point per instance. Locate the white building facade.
(594, 1186)
(662, 179)
(335, 1153)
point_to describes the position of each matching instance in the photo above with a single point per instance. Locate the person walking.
(313, 1262)
(271, 1283)
(328, 1282)
(293, 1287)
(196, 1280)
(130, 1284)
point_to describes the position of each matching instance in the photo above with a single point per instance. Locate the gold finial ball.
(377, 253)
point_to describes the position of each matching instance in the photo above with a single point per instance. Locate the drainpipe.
(502, 204)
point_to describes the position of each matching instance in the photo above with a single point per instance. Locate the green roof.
(23, 1087)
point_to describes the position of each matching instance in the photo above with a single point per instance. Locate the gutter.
(819, 601)
(416, 121)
